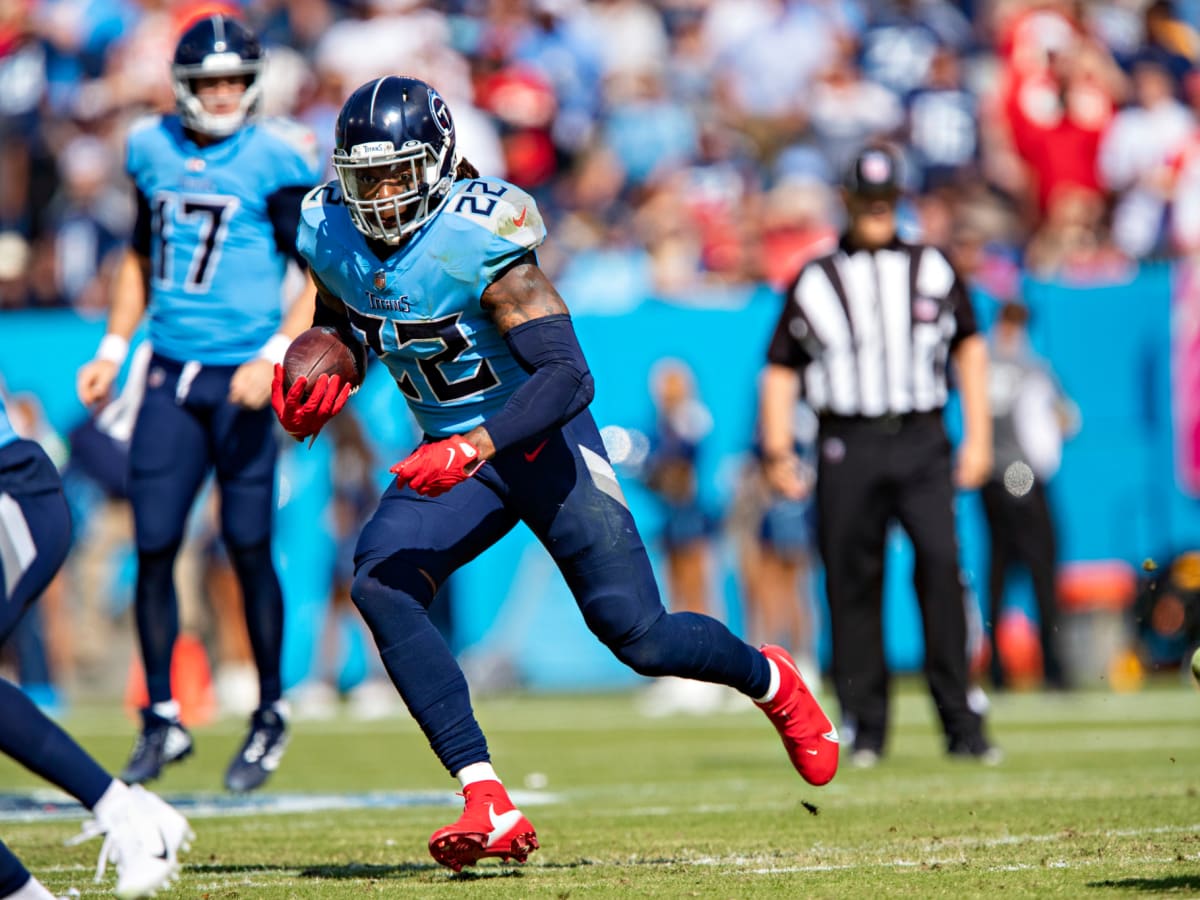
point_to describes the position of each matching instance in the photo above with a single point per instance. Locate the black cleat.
(261, 752)
(161, 742)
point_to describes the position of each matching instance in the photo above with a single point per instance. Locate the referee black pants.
(872, 471)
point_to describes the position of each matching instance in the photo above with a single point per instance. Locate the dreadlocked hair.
(464, 171)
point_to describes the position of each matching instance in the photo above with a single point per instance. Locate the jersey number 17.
(201, 220)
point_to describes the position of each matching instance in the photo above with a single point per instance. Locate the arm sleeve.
(559, 388)
(140, 240)
(283, 208)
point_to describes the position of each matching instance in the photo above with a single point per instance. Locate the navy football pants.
(565, 490)
(186, 428)
(35, 533)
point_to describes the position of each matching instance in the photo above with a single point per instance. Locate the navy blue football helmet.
(395, 132)
(217, 45)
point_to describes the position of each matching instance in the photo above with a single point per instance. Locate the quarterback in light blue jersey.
(433, 269)
(218, 197)
(143, 834)
(225, 216)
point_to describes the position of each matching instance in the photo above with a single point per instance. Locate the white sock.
(480, 771)
(113, 798)
(30, 890)
(168, 709)
(773, 687)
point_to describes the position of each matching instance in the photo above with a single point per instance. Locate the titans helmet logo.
(440, 112)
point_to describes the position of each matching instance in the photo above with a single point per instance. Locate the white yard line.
(923, 864)
(765, 865)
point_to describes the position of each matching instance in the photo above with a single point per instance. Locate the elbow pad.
(560, 385)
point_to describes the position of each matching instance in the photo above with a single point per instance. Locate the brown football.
(319, 351)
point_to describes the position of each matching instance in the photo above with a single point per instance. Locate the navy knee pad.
(673, 645)
(690, 645)
(246, 516)
(388, 590)
(621, 605)
(647, 654)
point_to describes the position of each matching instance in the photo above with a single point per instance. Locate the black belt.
(891, 422)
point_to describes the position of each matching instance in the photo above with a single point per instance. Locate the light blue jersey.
(419, 309)
(216, 270)
(7, 435)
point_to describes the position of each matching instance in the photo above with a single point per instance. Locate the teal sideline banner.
(1116, 496)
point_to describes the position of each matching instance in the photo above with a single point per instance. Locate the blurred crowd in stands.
(679, 148)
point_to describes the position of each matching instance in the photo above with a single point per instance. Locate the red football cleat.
(808, 736)
(489, 826)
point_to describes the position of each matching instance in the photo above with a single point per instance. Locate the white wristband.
(274, 349)
(113, 348)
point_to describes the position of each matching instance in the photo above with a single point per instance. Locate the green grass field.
(1099, 797)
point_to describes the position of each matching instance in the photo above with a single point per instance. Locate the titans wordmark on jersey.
(419, 309)
(217, 268)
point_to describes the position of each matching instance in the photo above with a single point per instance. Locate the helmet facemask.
(417, 172)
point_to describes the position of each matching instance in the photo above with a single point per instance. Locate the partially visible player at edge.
(143, 835)
(218, 199)
(433, 268)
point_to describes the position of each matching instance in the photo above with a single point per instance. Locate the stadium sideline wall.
(1118, 494)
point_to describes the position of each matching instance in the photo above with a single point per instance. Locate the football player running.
(143, 835)
(218, 197)
(433, 269)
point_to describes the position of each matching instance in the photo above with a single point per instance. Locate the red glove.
(434, 468)
(302, 417)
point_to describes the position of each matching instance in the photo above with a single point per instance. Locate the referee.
(865, 337)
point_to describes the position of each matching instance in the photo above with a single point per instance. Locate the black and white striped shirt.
(870, 332)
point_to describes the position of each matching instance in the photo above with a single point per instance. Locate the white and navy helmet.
(405, 124)
(217, 45)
